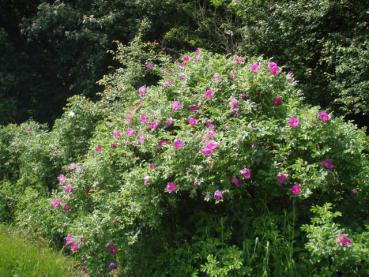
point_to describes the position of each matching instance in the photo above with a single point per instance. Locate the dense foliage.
(51, 50)
(207, 166)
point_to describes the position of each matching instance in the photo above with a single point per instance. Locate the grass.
(20, 257)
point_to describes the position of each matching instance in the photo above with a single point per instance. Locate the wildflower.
(68, 188)
(327, 164)
(66, 208)
(141, 138)
(216, 77)
(176, 105)
(218, 195)
(294, 122)
(246, 173)
(117, 134)
(243, 96)
(197, 51)
(149, 66)
(282, 177)
(208, 94)
(55, 203)
(324, 116)
(112, 266)
(99, 149)
(296, 190)
(236, 181)
(171, 187)
(130, 132)
(178, 143)
(74, 246)
(273, 67)
(277, 101)
(182, 65)
(142, 91)
(343, 240)
(255, 67)
(68, 239)
(239, 60)
(354, 190)
(61, 179)
(192, 121)
(186, 59)
(153, 125)
(72, 166)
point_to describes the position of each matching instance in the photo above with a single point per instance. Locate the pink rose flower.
(55, 203)
(277, 101)
(192, 121)
(61, 179)
(141, 138)
(216, 77)
(208, 94)
(171, 187)
(68, 188)
(255, 67)
(324, 117)
(130, 132)
(99, 149)
(327, 164)
(236, 181)
(296, 190)
(282, 177)
(218, 195)
(149, 66)
(143, 118)
(343, 240)
(186, 59)
(66, 208)
(74, 246)
(178, 143)
(117, 134)
(153, 125)
(142, 91)
(294, 122)
(68, 239)
(239, 60)
(176, 105)
(273, 67)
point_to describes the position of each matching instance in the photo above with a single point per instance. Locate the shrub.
(192, 175)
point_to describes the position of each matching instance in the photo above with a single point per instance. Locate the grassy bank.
(20, 256)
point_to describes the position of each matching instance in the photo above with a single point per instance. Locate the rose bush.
(209, 168)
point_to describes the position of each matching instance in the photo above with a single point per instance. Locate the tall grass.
(20, 256)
